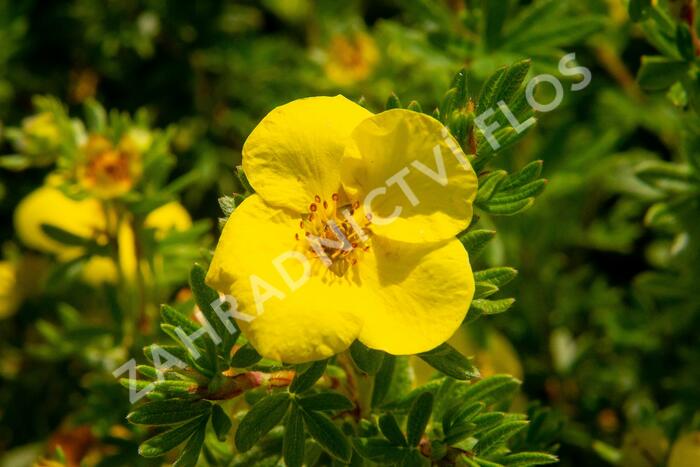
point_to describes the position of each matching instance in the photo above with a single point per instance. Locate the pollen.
(335, 234)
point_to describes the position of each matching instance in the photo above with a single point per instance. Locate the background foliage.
(603, 332)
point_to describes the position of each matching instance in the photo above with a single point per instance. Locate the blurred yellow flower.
(109, 171)
(171, 216)
(19, 279)
(9, 298)
(402, 286)
(87, 218)
(38, 139)
(49, 205)
(351, 58)
(686, 451)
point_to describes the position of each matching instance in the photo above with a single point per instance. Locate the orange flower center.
(337, 235)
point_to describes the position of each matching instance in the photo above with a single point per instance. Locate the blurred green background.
(604, 332)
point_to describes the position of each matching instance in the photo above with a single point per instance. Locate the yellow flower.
(686, 450)
(39, 138)
(109, 171)
(401, 285)
(49, 205)
(86, 218)
(19, 278)
(351, 58)
(9, 298)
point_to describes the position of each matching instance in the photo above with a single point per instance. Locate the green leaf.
(449, 361)
(499, 276)
(491, 389)
(15, 162)
(461, 414)
(418, 418)
(495, 14)
(368, 360)
(414, 458)
(190, 454)
(171, 316)
(164, 442)
(293, 446)
(495, 437)
(378, 450)
(526, 459)
(227, 205)
(529, 190)
(488, 184)
(562, 32)
(512, 80)
(220, 422)
(474, 241)
(382, 382)
(527, 174)
(327, 435)
(484, 289)
(487, 97)
(243, 179)
(245, 356)
(507, 208)
(393, 102)
(390, 429)
(684, 41)
(204, 296)
(461, 85)
(261, 418)
(415, 106)
(168, 412)
(305, 380)
(492, 307)
(658, 73)
(637, 9)
(326, 401)
(65, 237)
(95, 116)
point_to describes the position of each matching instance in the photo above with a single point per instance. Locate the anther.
(335, 197)
(313, 207)
(325, 204)
(317, 199)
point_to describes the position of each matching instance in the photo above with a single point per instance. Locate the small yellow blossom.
(109, 171)
(351, 58)
(49, 205)
(87, 218)
(9, 298)
(39, 139)
(402, 286)
(19, 278)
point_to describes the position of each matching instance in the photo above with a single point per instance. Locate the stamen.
(333, 235)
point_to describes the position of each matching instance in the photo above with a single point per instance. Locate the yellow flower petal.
(294, 153)
(422, 294)
(99, 270)
(424, 172)
(48, 205)
(317, 319)
(170, 216)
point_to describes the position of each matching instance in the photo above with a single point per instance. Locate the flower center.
(337, 235)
